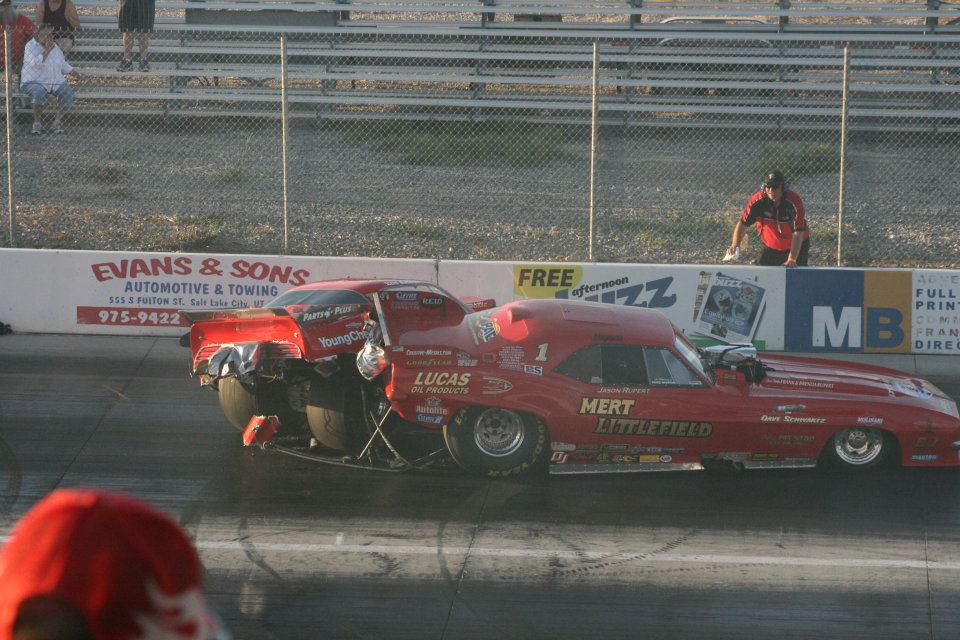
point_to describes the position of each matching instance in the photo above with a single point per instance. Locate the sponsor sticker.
(926, 457)
(658, 428)
(429, 419)
(494, 386)
(869, 420)
(563, 446)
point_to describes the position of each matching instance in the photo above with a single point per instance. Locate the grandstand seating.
(473, 59)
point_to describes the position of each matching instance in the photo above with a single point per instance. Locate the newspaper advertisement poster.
(730, 309)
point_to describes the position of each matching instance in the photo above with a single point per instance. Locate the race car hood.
(794, 377)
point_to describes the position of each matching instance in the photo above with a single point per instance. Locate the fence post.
(283, 140)
(8, 102)
(593, 144)
(844, 103)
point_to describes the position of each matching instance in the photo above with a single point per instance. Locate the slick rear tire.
(497, 442)
(335, 414)
(239, 404)
(860, 449)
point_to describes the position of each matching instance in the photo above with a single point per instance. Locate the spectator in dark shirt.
(62, 15)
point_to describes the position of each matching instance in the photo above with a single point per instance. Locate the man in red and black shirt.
(21, 30)
(778, 213)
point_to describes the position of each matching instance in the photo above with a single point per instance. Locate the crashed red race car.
(398, 375)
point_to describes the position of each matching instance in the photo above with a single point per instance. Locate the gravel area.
(662, 197)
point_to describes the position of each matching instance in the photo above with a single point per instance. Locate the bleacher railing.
(478, 145)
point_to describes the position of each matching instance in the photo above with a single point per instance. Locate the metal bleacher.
(662, 63)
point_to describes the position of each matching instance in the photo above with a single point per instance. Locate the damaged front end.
(242, 360)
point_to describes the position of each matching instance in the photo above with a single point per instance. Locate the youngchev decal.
(662, 428)
(344, 340)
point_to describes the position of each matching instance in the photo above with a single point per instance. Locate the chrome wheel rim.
(498, 432)
(858, 446)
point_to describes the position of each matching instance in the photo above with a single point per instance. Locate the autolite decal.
(663, 428)
(433, 411)
(344, 340)
(606, 406)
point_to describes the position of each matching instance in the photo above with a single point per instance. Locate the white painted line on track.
(488, 552)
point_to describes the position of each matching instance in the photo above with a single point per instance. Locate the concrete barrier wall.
(815, 310)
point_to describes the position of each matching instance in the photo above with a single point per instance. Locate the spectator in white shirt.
(44, 73)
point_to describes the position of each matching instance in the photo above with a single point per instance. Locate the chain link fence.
(477, 146)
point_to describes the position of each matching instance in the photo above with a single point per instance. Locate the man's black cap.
(774, 179)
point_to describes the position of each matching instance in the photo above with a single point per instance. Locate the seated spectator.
(44, 74)
(62, 15)
(21, 29)
(93, 565)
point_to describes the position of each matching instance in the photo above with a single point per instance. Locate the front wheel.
(859, 448)
(496, 442)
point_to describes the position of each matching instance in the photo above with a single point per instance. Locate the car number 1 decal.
(542, 352)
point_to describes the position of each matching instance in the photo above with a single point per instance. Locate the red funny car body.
(584, 387)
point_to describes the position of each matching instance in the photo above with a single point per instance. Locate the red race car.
(397, 375)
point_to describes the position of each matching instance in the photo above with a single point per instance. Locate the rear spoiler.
(328, 312)
(201, 315)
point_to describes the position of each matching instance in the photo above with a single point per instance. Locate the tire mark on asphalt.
(598, 565)
(250, 549)
(13, 472)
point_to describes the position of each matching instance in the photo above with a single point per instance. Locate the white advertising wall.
(803, 310)
(736, 303)
(122, 293)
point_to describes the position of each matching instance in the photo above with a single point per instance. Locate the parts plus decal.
(592, 283)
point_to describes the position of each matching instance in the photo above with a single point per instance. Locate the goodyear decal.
(660, 428)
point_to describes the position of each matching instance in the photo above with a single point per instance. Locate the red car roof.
(574, 318)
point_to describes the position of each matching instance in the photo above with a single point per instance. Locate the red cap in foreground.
(128, 568)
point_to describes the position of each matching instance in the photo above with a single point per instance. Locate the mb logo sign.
(855, 328)
(848, 310)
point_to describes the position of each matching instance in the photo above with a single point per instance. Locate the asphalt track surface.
(299, 550)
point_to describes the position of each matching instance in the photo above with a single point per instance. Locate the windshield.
(689, 353)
